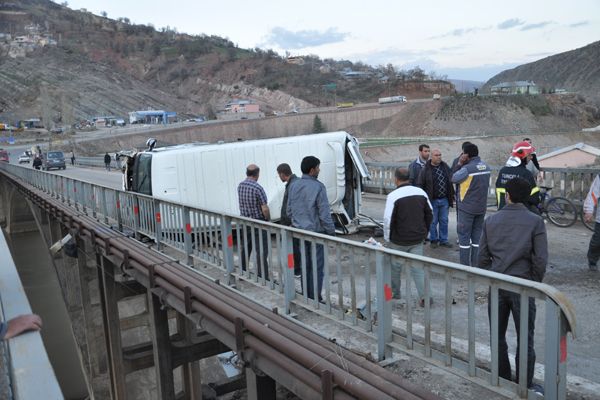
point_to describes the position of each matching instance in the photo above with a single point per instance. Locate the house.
(517, 87)
(242, 106)
(295, 60)
(579, 155)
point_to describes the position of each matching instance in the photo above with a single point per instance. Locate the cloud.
(287, 39)
(539, 25)
(462, 32)
(510, 23)
(578, 24)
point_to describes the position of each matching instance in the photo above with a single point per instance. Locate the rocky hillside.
(486, 115)
(577, 71)
(63, 64)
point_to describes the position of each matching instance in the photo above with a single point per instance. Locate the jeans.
(511, 302)
(418, 274)
(594, 250)
(469, 229)
(440, 217)
(262, 254)
(320, 255)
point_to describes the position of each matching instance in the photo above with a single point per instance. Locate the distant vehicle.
(24, 158)
(120, 122)
(345, 105)
(186, 173)
(392, 99)
(4, 156)
(57, 129)
(197, 119)
(437, 96)
(53, 159)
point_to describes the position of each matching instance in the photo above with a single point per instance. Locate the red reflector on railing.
(229, 240)
(387, 292)
(118, 204)
(563, 349)
(136, 210)
(157, 217)
(188, 228)
(291, 261)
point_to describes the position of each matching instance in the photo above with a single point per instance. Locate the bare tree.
(68, 118)
(104, 14)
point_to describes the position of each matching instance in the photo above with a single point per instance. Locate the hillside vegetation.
(99, 65)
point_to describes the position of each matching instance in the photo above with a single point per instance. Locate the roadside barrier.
(357, 288)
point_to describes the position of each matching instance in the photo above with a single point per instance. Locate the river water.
(43, 291)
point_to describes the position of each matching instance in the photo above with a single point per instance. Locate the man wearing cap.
(473, 180)
(516, 167)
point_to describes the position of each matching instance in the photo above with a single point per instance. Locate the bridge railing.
(357, 287)
(25, 370)
(572, 183)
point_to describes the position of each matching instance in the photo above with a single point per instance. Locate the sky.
(463, 39)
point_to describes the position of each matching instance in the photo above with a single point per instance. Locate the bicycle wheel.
(561, 212)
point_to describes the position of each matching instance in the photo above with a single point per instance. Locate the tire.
(561, 212)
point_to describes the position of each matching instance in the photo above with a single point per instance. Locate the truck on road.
(207, 175)
(392, 99)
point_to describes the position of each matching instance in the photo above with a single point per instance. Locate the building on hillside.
(152, 117)
(579, 155)
(295, 60)
(242, 106)
(356, 74)
(240, 109)
(517, 87)
(31, 123)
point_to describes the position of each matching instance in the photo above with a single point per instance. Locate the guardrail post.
(384, 305)
(381, 170)
(555, 357)
(227, 240)
(158, 224)
(287, 260)
(136, 217)
(118, 211)
(103, 204)
(187, 235)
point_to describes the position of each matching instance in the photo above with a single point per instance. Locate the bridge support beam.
(259, 386)
(190, 371)
(112, 331)
(161, 343)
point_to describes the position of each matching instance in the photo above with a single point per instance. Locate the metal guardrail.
(30, 373)
(357, 284)
(572, 183)
(95, 162)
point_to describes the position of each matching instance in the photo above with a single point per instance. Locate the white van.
(207, 175)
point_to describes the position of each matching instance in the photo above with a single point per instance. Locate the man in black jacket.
(514, 242)
(285, 174)
(434, 179)
(406, 221)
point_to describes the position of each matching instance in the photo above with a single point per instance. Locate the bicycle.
(589, 225)
(559, 210)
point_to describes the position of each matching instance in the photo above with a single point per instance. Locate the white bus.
(207, 175)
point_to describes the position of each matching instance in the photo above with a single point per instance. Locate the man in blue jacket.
(473, 180)
(308, 208)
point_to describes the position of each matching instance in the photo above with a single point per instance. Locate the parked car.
(24, 158)
(53, 159)
(4, 156)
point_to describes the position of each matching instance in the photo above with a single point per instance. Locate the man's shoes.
(593, 267)
(422, 302)
(537, 388)
(434, 244)
(446, 244)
